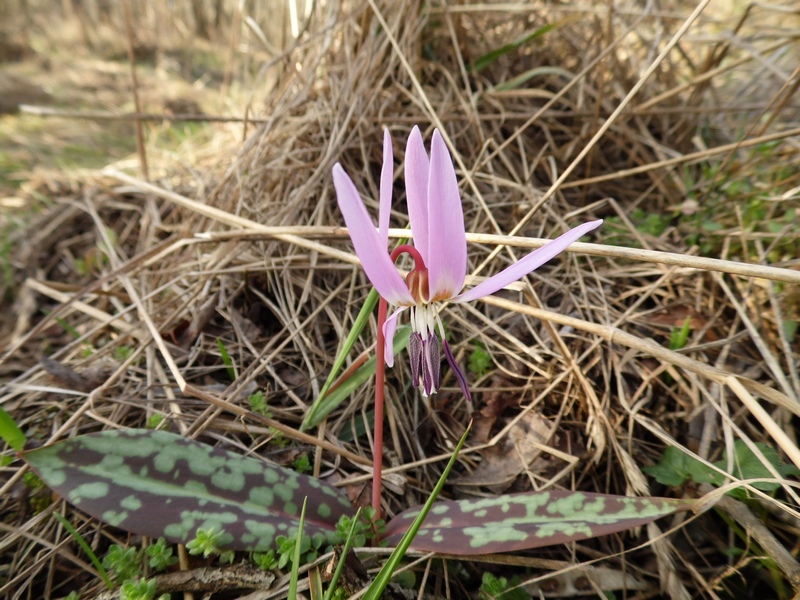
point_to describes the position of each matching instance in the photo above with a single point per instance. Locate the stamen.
(433, 359)
(415, 353)
(462, 379)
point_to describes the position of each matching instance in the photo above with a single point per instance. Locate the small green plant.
(154, 420)
(500, 588)
(310, 548)
(138, 590)
(278, 439)
(160, 555)
(206, 542)
(266, 561)
(39, 498)
(366, 527)
(301, 464)
(258, 404)
(10, 431)
(226, 359)
(32, 481)
(123, 353)
(680, 335)
(676, 467)
(125, 563)
(480, 361)
(73, 595)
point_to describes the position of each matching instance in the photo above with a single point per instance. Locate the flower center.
(417, 279)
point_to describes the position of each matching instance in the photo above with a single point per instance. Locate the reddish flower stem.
(380, 378)
(377, 433)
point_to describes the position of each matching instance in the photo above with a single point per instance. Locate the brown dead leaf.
(515, 453)
(483, 420)
(69, 378)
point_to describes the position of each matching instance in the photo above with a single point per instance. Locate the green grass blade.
(484, 61)
(348, 543)
(679, 337)
(296, 558)
(322, 408)
(226, 359)
(523, 78)
(68, 328)
(313, 417)
(86, 548)
(10, 431)
(382, 579)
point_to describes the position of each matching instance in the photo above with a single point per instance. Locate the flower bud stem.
(377, 431)
(380, 378)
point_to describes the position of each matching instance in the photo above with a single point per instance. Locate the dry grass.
(680, 131)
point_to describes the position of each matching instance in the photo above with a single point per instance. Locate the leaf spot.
(131, 503)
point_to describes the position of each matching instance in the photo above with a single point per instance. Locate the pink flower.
(439, 252)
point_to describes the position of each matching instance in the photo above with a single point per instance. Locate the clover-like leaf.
(529, 520)
(159, 484)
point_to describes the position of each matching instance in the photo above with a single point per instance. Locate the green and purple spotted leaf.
(530, 520)
(159, 484)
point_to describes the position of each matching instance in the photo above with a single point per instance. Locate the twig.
(209, 580)
(135, 89)
(104, 115)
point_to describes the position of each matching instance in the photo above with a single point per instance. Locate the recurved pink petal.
(447, 241)
(525, 265)
(371, 250)
(417, 167)
(388, 336)
(387, 175)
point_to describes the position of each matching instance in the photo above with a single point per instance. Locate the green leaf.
(10, 431)
(523, 78)
(500, 588)
(312, 417)
(323, 408)
(226, 360)
(679, 337)
(86, 548)
(348, 543)
(480, 361)
(747, 465)
(484, 61)
(159, 484)
(390, 566)
(138, 590)
(160, 555)
(296, 554)
(675, 467)
(529, 520)
(126, 563)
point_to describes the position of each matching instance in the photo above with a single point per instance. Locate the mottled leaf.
(159, 484)
(530, 520)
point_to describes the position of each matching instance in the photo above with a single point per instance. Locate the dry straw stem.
(299, 234)
(737, 383)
